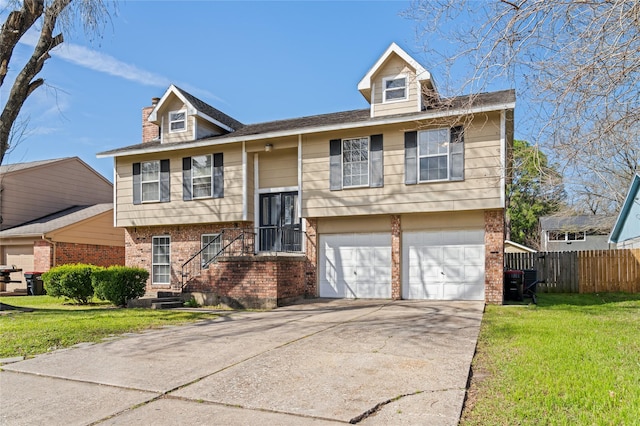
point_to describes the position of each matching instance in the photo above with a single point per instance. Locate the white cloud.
(101, 62)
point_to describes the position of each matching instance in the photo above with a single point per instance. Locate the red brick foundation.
(494, 256)
(254, 281)
(238, 280)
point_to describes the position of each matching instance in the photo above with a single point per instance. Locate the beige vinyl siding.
(435, 221)
(481, 188)
(177, 211)
(97, 230)
(34, 192)
(347, 225)
(393, 67)
(278, 168)
(175, 104)
(206, 129)
(409, 222)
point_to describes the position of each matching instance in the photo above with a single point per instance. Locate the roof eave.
(624, 211)
(501, 106)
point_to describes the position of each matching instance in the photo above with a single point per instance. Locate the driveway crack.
(373, 410)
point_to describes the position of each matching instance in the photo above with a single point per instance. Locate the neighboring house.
(626, 230)
(404, 199)
(575, 233)
(513, 247)
(54, 212)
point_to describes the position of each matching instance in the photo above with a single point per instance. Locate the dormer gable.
(397, 84)
(181, 116)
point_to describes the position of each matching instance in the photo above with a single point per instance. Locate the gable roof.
(460, 105)
(56, 221)
(519, 246)
(10, 168)
(421, 73)
(575, 223)
(197, 107)
(630, 202)
(26, 167)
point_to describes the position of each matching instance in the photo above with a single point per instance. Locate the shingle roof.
(56, 221)
(21, 166)
(576, 223)
(210, 111)
(344, 117)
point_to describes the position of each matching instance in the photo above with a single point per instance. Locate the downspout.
(53, 243)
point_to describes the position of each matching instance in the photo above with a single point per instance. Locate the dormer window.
(394, 89)
(177, 121)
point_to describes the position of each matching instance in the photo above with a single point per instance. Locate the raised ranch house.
(54, 212)
(403, 199)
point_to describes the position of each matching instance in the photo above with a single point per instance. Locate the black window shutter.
(411, 158)
(186, 179)
(376, 162)
(456, 153)
(165, 187)
(137, 184)
(218, 176)
(335, 164)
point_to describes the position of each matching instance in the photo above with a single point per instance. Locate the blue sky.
(256, 61)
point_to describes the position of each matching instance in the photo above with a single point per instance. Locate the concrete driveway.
(323, 362)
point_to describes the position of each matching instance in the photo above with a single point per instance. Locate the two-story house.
(404, 199)
(54, 212)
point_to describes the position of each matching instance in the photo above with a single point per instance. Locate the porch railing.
(242, 242)
(231, 242)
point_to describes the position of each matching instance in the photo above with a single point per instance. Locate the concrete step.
(167, 304)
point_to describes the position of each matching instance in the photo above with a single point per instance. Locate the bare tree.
(49, 16)
(576, 65)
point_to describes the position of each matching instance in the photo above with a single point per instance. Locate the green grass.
(54, 325)
(572, 360)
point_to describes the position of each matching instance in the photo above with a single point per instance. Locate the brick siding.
(254, 281)
(43, 255)
(494, 255)
(150, 131)
(311, 267)
(396, 232)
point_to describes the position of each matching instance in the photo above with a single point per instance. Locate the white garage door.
(443, 265)
(355, 266)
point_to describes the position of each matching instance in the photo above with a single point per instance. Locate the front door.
(279, 222)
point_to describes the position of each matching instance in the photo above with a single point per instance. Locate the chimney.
(150, 131)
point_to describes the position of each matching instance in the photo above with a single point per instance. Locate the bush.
(72, 281)
(118, 284)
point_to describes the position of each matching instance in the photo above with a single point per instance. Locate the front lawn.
(54, 325)
(571, 360)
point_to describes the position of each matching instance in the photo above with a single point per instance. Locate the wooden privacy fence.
(589, 271)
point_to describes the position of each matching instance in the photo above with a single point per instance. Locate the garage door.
(443, 265)
(21, 256)
(355, 266)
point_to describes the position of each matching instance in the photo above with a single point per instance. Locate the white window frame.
(194, 177)
(566, 236)
(143, 182)
(154, 263)
(447, 155)
(342, 162)
(202, 245)
(172, 121)
(385, 89)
